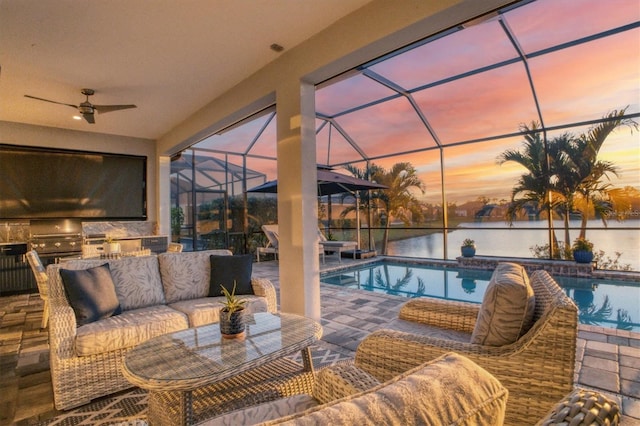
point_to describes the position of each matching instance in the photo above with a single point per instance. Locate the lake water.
(606, 303)
(515, 241)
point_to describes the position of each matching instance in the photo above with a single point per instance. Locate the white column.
(297, 200)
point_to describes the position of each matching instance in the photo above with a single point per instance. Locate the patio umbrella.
(329, 183)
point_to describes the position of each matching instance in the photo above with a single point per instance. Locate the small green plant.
(177, 220)
(582, 244)
(232, 303)
(468, 243)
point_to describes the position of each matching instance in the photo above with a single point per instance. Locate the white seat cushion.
(128, 329)
(429, 330)
(206, 310)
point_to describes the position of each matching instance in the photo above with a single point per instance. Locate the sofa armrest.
(459, 316)
(265, 288)
(583, 407)
(340, 380)
(62, 329)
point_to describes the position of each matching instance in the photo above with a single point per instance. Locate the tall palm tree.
(589, 172)
(399, 200)
(534, 188)
(565, 174)
(366, 198)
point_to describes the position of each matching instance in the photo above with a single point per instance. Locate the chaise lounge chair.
(337, 246)
(271, 231)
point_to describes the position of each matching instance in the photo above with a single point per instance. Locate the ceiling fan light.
(77, 117)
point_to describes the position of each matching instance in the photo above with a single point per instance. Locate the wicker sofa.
(537, 368)
(157, 295)
(448, 390)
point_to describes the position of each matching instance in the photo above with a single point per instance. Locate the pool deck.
(607, 360)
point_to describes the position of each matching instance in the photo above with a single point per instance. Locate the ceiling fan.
(86, 108)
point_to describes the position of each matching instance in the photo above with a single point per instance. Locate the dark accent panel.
(45, 183)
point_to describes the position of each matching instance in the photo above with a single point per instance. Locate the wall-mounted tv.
(51, 183)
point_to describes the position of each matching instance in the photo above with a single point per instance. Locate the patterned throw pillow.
(507, 307)
(91, 293)
(225, 270)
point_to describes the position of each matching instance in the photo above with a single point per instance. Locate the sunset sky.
(578, 83)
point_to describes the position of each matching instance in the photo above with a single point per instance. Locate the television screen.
(46, 183)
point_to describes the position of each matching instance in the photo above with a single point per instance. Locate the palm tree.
(370, 172)
(533, 189)
(564, 175)
(589, 172)
(398, 200)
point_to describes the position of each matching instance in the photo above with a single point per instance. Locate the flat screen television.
(51, 183)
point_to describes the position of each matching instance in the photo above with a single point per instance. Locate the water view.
(607, 303)
(515, 242)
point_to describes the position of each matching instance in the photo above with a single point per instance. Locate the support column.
(297, 200)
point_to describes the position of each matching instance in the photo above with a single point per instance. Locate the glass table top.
(189, 358)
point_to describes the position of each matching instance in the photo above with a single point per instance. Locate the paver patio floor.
(607, 360)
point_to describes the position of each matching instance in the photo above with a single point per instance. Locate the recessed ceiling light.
(276, 47)
(77, 117)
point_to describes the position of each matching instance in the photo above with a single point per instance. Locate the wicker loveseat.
(538, 368)
(157, 295)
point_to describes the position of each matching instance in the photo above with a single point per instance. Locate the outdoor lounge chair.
(42, 279)
(537, 368)
(337, 246)
(271, 231)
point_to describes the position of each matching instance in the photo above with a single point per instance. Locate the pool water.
(607, 303)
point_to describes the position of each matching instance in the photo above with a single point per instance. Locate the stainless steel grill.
(56, 238)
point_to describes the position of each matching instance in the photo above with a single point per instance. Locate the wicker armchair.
(538, 369)
(43, 283)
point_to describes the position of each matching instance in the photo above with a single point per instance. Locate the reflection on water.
(514, 242)
(606, 303)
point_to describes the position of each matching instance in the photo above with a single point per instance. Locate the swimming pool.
(602, 302)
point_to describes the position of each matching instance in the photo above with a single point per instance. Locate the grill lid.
(46, 228)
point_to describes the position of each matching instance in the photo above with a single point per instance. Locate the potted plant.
(231, 321)
(582, 250)
(468, 248)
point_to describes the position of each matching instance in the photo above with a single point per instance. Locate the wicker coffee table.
(194, 374)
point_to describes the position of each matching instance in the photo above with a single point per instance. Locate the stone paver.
(606, 360)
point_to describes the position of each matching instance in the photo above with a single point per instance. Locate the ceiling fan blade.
(53, 102)
(108, 108)
(90, 118)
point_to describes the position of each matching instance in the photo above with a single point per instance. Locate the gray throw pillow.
(91, 293)
(225, 270)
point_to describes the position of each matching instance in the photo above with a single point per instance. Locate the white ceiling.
(169, 57)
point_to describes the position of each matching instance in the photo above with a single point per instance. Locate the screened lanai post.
(299, 263)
